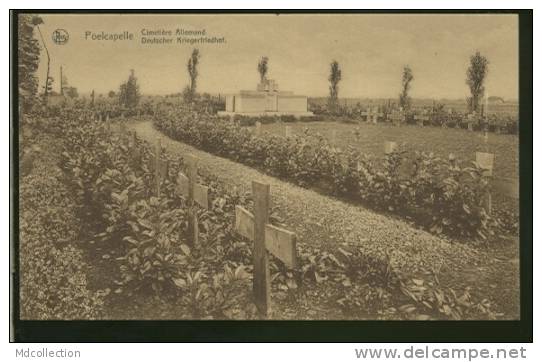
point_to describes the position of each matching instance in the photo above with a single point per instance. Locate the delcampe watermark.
(441, 353)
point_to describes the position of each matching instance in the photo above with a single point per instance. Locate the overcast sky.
(371, 51)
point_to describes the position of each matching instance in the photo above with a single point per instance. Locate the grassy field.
(370, 139)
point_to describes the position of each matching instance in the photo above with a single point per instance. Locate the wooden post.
(267, 239)
(487, 203)
(486, 161)
(258, 130)
(334, 137)
(122, 126)
(193, 227)
(486, 107)
(195, 194)
(157, 155)
(452, 159)
(470, 120)
(261, 282)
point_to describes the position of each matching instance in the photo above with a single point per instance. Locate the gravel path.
(327, 223)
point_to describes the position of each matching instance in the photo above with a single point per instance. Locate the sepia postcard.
(268, 166)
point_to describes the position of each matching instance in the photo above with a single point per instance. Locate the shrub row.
(111, 189)
(53, 283)
(210, 279)
(438, 194)
(115, 193)
(251, 121)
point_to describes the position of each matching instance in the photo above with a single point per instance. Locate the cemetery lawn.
(442, 142)
(327, 223)
(462, 143)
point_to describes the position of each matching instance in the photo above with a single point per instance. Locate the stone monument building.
(266, 100)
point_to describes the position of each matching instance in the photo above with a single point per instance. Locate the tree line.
(129, 93)
(475, 78)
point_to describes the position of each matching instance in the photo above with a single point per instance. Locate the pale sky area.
(371, 50)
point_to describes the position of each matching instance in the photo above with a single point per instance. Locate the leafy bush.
(104, 176)
(288, 118)
(148, 232)
(315, 118)
(442, 197)
(53, 280)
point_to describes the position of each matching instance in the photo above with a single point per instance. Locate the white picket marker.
(486, 161)
(288, 131)
(389, 147)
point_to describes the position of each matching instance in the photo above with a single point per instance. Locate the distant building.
(69, 91)
(56, 99)
(495, 100)
(266, 100)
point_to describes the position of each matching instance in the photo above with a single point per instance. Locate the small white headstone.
(288, 131)
(485, 161)
(389, 147)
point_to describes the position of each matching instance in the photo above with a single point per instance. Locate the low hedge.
(441, 196)
(115, 185)
(53, 283)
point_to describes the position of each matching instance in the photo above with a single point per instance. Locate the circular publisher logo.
(60, 36)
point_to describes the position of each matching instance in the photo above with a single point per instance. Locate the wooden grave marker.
(397, 117)
(134, 139)
(367, 114)
(371, 115)
(485, 161)
(135, 152)
(389, 147)
(108, 126)
(375, 114)
(188, 187)
(267, 238)
(288, 131)
(452, 159)
(421, 118)
(159, 166)
(258, 129)
(122, 126)
(471, 118)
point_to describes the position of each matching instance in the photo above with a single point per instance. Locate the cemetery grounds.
(334, 278)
